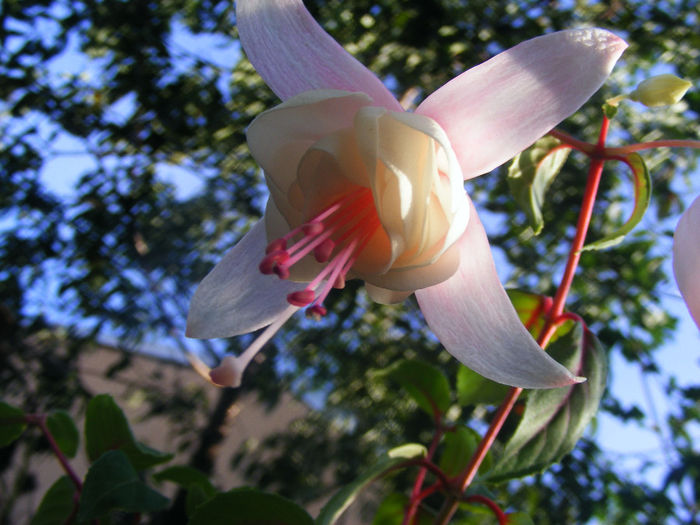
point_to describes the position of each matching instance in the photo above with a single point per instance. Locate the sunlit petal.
(292, 53)
(475, 321)
(500, 107)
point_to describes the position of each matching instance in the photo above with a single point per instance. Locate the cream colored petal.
(331, 167)
(419, 277)
(406, 156)
(384, 296)
(278, 138)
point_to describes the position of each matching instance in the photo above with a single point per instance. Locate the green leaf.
(342, 499)
(531, 173)
(532, 309)
(196, 496)
(57, 504)
(248, 506)
(554, 419)
(106, 428)
(642, 197)
(199, 488)
(64, 431)
(474, 389)
(391, 512)
(185, 477)
(610, 110)
(112, 483)
(12, 423)
(425, 383)
(519, 518)
(458, 448)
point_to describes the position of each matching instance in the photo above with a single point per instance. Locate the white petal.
(292, 53)
(235, 298)
(686, 258)
(475, 321)
(500, 107)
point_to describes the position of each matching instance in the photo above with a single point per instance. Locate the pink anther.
(301, 298)
(316, 311)
(276, 246)
(323, 251)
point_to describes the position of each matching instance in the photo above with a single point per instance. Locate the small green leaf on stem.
(64, 431)
(392, 508)
(531, 173)
(342, 499)
(426, 384)
(642, 197)
(458, 448)
(610, 108)
(57, 505)
(106, 428)
(12, 423)
(247, 506)
(554, 419)
(532, 309)
(112, 483)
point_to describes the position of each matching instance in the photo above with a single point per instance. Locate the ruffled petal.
(279, 137)
(292, 53)
(475, 321)
(235, 298)
(384, 296)
(498, 108)
(686, 258)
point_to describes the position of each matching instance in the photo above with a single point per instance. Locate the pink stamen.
(335, 236)
(316, 311)
(272, 260)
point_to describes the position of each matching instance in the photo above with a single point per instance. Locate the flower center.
(335, 236)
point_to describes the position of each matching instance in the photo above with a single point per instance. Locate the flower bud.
(661, 90)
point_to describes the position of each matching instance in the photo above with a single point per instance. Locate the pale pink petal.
(235, 298)
(475, 321)
(292, 53)
(686, 258)
(498, 108)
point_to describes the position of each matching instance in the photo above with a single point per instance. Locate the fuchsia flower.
(686, 258)
(359, 188)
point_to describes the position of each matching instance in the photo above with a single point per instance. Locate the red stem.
(40, 421)
(625, 150)
(594, 174)
(420, 478)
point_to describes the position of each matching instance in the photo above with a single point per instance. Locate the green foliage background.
(119, 255)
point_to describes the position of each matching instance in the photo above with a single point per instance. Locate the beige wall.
(248, 421)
